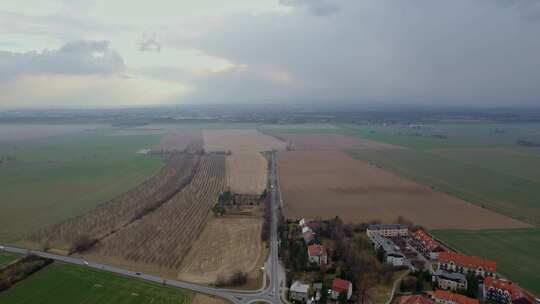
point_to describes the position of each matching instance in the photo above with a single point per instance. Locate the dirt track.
(329, 183)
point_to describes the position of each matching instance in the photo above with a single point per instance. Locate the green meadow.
(51, 179)
(6, 258)
(70, 284)
(517, 251)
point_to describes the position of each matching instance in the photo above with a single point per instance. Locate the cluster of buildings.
(391, 238)
(308, 227)
(448, 269)
(499, 291)
(306, 293)
(317, 255)
(426, 245)
(438, 297)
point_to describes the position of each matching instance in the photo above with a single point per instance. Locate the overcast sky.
(112, 53)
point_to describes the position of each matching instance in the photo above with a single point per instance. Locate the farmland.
(47, 180)
(240, 141)
(329, 183)
(516, 251)
(456, 135)
(180, 141)
(303, 141)
(247, 173)
(227, 245)
(424, 136)
(123, 209)
(21, 132)
(497, 179)
(60, 283)
(477, 162)
(160, 240)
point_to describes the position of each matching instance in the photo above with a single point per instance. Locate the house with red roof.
(317, 254)
(457, 262)
(501, 291)
(446, 297)
(415, 299)
(426, 245)
(339, 287)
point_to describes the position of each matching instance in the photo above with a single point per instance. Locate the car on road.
(2, 247)
(85, 263)
(137, 273)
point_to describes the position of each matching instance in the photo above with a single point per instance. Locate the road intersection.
(270, 293)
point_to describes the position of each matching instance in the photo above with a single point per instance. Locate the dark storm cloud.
(466, 52)
(77, 58)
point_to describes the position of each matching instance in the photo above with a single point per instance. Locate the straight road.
(274, 270)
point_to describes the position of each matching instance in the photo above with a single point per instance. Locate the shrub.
(82, 243)
(237, 279)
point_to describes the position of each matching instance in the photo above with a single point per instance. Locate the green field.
(6, 258)
(517, 252)
(70, 284)
(55, 178)
(464, 135)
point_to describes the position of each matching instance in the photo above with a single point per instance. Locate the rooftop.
(416, 299)
(386, 226)
(316, 250)
(388, 246)
(297, 286)
(454, 297)
(515, 291)
(426, 239)
(468, 261)
(454, 276)
(340, 285)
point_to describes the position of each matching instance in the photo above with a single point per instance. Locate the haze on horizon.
(97, 53)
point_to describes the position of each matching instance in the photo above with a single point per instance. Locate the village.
(331, 262)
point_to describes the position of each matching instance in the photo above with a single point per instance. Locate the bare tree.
(365, 285)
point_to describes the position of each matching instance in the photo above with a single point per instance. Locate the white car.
(85, 263)
(2, 247)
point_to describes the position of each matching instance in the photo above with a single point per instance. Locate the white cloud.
(273, 50)
(79, 57)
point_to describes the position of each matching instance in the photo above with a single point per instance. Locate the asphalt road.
(274, 270)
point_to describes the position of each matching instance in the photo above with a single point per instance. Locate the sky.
(118, 53)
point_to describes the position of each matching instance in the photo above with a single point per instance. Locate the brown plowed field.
(120, 211)
(331, 142)
(163, 237)
(180, 141)
(247, 173)
(226, 245)
(329, 183)
(240, 140)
